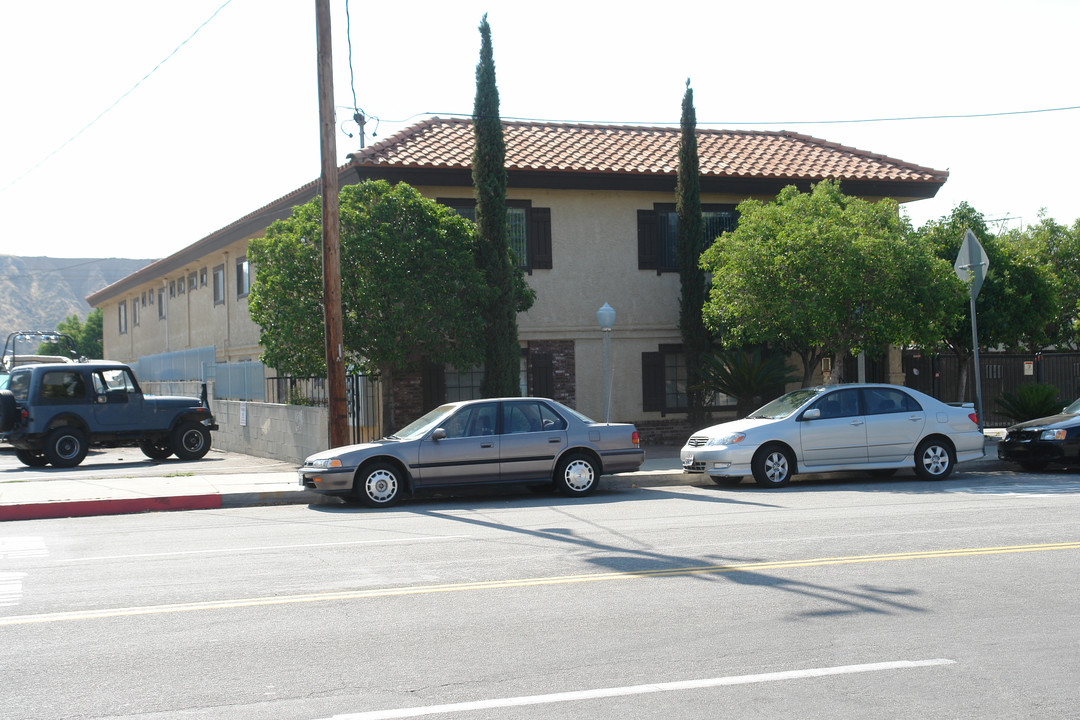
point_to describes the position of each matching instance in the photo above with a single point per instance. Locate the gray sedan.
(508, 440)
(871, 427)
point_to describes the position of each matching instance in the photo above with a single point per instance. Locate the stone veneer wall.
(562, 359)
(408, 401)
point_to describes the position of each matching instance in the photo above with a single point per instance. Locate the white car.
(870, 427)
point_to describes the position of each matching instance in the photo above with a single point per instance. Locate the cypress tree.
(690, 243)
(502, 355)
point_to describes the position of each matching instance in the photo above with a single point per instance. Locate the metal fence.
(239, 381)
(363, 397)
(1000, 373)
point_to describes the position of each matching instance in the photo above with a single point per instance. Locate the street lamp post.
(606, 317)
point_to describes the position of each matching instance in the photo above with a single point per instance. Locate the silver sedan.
(870, 427)
(508, 440)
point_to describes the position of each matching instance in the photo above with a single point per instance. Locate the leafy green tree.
(689, 244)
(410, 285)
(86, 335)
(1056, 248)
(501, 351)
(823, 273)
(1016, 304)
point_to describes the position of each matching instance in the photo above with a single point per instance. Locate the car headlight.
(1052, 435)
(326, 463)
(729, 439)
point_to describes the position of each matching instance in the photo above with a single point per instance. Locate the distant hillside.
(36, 293)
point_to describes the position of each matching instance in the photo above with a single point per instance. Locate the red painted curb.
(84, 508)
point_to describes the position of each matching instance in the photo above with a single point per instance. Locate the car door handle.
(857, 422)
(915, 418)
(487, 445)
(554, 440)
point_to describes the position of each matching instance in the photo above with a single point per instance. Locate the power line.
(964, 116)
(116, 102)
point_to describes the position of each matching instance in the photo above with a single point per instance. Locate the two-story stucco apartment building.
(591, 211)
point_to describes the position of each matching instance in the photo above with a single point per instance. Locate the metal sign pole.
(978, 381)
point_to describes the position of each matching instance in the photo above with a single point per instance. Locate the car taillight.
(973, 417)
(636, 438)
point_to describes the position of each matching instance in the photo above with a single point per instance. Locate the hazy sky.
(229, 122)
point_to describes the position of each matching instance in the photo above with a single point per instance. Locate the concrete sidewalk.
(226, 480)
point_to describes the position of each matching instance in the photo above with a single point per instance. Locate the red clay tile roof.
(556, 147)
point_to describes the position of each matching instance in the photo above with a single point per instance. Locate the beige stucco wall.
(595, 260)
(192, 319)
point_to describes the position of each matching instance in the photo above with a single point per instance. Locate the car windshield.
(784, 405)
(430, 421)
(1072, 409)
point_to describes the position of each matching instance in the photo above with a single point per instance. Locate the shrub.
(1031, 401)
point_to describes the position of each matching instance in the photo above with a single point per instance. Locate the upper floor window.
(161, 303)
(202, 277)
(658, 233)
(219, 284)
(528, 230)
(243, 277)
(192, 282)
(122, 316)
(135, 312)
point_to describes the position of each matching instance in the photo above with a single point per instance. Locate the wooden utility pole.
(338, 431)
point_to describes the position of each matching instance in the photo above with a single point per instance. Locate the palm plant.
(1030, 401)
(748, 375)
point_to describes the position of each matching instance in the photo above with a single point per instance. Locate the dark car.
(1037, 443)
(53, 413)
(508, 440)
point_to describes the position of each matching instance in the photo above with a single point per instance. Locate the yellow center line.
(520, 582)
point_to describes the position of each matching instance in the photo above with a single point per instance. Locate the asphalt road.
(832, 598)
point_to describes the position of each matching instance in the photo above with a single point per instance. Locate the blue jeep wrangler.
(53, 413)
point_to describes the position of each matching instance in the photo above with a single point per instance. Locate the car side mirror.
(439, 434)
(812, 414)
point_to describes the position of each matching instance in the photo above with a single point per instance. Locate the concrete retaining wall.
(283, 432)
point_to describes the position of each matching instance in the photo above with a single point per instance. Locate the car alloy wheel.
(934, 460)
(772, 467)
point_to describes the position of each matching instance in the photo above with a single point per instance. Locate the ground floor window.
(663, 378)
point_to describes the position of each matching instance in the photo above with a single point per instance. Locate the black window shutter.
(648, 248)
(543, 375)
(652, 381)
(540, 238)
(433, 385)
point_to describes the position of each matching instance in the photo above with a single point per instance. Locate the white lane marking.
(263, 548)
(11, 588)
(23, 547)
(639, 690)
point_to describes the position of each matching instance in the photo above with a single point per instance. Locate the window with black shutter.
(528, 230)
(658, 232)
(542, 375)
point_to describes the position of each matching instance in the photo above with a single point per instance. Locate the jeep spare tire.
(8, 411)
